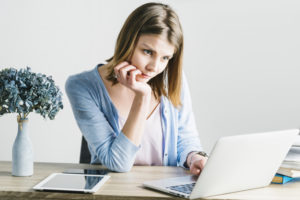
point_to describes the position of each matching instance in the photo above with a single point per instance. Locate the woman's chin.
(142, 79)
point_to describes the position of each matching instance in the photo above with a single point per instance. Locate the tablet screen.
(72, 182)
(87, 171)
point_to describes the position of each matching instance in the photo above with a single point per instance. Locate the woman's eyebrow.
(147, 46)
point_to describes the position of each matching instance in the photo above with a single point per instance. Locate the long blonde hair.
(152, 18)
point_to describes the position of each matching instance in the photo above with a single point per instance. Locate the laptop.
(236, 163)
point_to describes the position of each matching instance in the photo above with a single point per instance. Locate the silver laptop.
(236, 163)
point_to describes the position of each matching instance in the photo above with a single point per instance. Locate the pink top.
(150, 152)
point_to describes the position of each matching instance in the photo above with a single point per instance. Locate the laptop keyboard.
(186, 188)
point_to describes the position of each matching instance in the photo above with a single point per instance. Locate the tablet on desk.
(83, 183)
(87, 171)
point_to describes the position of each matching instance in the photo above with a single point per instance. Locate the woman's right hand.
(128, 75)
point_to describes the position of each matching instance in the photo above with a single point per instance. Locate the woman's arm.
(127, 75)
(111, 148)
(134, 125)
(188, 137)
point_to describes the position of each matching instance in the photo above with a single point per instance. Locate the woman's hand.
(197, 164)
(129, 76)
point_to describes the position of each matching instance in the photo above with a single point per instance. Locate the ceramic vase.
(22, 154)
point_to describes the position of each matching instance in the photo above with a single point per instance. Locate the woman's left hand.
(197, 164)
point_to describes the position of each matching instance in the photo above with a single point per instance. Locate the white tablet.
(84, 183)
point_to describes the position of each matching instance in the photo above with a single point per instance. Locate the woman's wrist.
(145, 94)
(195, 155)
(189, 159)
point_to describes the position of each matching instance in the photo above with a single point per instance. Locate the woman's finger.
(203, 162)
(123, 72)
(197, 167)
(195, 170)
(132, 76)
(119, 66)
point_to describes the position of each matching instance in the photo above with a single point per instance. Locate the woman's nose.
(153, 65)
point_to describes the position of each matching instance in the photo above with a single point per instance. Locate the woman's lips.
(145, 76)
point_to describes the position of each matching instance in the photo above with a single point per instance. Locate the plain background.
(241, 59)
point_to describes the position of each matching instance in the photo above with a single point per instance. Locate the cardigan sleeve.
(188, 137)
(112, 149)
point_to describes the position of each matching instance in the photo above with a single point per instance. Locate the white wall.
(241, 59)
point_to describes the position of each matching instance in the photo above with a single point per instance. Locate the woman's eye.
(146, 51)
(166, 58)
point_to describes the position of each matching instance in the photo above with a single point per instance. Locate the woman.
(136, 108)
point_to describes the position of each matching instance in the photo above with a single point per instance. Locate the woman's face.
(151, 55)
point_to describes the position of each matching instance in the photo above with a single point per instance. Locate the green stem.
(25, 115)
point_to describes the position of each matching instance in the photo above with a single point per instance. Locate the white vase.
(22, 154)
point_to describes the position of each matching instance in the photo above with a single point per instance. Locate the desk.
(121, 186)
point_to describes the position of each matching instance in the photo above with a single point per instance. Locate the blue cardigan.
(97, 119)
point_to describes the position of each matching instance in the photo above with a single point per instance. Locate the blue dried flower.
(24, 91)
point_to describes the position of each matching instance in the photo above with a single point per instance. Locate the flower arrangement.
(23, 92)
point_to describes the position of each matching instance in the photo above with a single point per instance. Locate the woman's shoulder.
(84, 80)
(82, 76)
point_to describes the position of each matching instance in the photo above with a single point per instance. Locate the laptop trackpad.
(172, 181)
